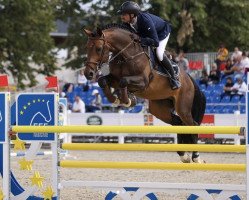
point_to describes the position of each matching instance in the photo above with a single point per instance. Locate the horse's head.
(97, 52)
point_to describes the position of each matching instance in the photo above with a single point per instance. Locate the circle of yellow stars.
(34, 101)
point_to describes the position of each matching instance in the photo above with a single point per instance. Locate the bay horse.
(131, 73)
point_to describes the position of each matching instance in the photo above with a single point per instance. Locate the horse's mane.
(123, 26)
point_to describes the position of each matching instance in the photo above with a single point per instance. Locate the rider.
(153, 31)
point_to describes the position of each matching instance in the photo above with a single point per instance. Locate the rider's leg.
(166, 63)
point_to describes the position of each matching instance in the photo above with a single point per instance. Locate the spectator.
(245, 62)
(96, 103)
(82, 81)
(78, 105)
(221, 56)
(172, 55)
(68, 88)
(204, 77)
(236, 54)
(228, 68)
(93, 84)
(183, 62)
(239, 88)
(227, 88)
(214, 75)
(239, 66)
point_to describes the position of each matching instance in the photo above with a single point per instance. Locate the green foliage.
(198, 25)
(25, 40)
(214, 22)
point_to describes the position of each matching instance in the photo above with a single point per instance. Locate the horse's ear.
(99, 31)
(87, 32)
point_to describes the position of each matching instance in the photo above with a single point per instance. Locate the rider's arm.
(151, 33)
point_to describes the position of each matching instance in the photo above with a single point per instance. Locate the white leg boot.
(185, 158)
(198, 160)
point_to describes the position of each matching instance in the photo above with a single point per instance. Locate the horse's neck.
(127, 55)
(118, 39)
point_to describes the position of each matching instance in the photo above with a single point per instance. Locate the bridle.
(99, 63)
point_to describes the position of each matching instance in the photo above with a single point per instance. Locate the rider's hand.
(147, 42)
(135, 38)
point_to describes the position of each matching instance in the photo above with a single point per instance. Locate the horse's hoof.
(198, 160)
(116, 102)
(127, 105)
(185, 158)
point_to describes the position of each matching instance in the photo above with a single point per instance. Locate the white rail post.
(247, 141)
(6, 146)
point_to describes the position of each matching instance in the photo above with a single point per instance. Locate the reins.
(99, 63)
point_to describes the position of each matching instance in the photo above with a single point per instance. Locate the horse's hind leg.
(187, 120)
(181, 139)
(163, 110)
(186, 116)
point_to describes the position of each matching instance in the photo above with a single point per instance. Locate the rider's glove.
(147, 41)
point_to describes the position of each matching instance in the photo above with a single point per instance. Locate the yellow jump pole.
(131, 129)
(152, 165)
(153, 147)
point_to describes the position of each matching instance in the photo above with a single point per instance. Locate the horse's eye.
(99, 50)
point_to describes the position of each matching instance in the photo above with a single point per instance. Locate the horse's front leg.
(103, 83)
(126, 99)
(136, 83)
(124, 93)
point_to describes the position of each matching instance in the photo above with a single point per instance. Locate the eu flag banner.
(36, 110)
(2, 116)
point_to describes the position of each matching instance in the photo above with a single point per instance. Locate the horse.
(131, 73)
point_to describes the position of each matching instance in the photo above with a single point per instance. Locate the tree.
(202, 25)
(84, 14)
(25, 43)
(197, 26)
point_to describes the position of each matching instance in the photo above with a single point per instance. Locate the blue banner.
(36, 110)
(2, 117)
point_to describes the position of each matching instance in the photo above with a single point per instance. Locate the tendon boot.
(174, 82)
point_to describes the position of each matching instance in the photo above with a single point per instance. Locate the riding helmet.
(129, 7)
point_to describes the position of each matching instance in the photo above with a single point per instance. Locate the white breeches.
(161, 48)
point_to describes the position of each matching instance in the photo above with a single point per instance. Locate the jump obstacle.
(119, 188)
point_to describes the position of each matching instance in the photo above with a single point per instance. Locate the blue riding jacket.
(152, 29)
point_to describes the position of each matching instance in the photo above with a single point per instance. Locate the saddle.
(156, 64)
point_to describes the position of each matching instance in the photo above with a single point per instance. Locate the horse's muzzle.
(89, 74)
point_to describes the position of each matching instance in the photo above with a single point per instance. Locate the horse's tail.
(199, 103)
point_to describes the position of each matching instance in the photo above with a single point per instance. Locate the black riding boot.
(175, 83)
